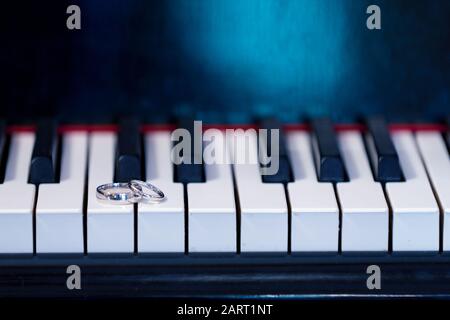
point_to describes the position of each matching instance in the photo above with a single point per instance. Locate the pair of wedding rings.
(135, 191)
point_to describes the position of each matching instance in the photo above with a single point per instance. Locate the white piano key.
(59, 209)
(415, 211)
(365, 213)
(110, 228)
(437, 161)
(264, 215)
(17, 198)
(161, 226)
(315, 212)
(212, 211)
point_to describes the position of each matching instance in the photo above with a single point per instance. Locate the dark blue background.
(226, 60)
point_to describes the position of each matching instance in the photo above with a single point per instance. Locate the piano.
(362, 186)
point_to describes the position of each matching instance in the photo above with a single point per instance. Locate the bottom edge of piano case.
(221, 276)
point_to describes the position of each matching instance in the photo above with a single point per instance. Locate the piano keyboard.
(345, 198)
(335, 191)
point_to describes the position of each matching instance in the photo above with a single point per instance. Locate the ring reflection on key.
(148, 192)
(117, 193)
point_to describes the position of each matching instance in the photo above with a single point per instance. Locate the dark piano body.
(229, 64)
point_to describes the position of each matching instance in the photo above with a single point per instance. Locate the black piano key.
(3, 150)
(329, 164)
(188, 171)
(284, 174)
(43, 166)
(128, 164)
(384, 157)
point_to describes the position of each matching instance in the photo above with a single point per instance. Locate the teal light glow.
(264, 48)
